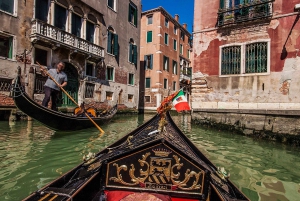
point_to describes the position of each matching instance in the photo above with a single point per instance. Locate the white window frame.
(175, 46)
(114, 6)
(114, 72)
(145, 98)
(13, 46)
(49, 53)
(149, 16)
(243, 47)
(15, 9)
(166, 23)
(94, 69)
(132, 78)
(175, 30)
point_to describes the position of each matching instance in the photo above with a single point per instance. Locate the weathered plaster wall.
(279, 88)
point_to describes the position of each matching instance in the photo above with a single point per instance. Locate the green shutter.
(149, 36)
(134, 54)
(221, 3)
(135, 17)
(10, 47)
(109, 36)
(151, 61)
(116, 45)
(129, 13)
(130, 53)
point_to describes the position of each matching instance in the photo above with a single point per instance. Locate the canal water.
(32, 155)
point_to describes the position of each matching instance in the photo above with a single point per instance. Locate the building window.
(147, 99)
(111, 4)
(188, 54)
(148, 82)
(76, 25)
(109, 95)
(175, 45)
(166, 22)
(89, 69)
(166, 39)
(245, 58)
(175, 30)
(148, 63)
(182, 35)
(181, 49)
(149, 19)
(174, 86)
(131, 79)
(6, 46)
(175, 67)
(165, 83)
(132, 52)
(41, 56)
(149, 36)
(132, 15)
(41, 10)
(110, 73)
(166, 63)
(112, 42)
(130, 98)
(7, 6)
(60, 17)
(90, 31)
(89, 90)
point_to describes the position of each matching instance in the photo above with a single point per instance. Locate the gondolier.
(51, 89)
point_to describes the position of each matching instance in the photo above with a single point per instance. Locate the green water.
(32, 155)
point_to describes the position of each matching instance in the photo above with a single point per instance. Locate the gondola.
(53, 119)
(156, 161)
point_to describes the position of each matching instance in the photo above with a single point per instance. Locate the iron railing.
(185, 73)
(39, 84)
(5, 84)
(231, 60)
(248, 11)
(89, 90)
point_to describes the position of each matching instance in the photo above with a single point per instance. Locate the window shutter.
(130, 53)
(145, 62)
(134, 54)
(116, 46)
(221, 3)
(151, 61)
(41, 10)
(149, 36)
(10, 47)
(109, 36)
(129, 13)
(135, 17)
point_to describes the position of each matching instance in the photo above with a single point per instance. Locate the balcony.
(246, 12)
(46, 32)
(185, 74)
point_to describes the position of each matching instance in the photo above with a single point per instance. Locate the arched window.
(132, 52)
(90, 28)
(60, 14)
(77, 21)
(112, 42)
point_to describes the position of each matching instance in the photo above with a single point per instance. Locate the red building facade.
(246, 54)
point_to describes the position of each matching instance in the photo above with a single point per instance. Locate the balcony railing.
(186, 74)
(253, 10)
(5, 84)
(47, 31)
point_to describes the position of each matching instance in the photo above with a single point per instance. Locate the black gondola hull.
(54, 119)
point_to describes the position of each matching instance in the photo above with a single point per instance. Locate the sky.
(184, 8)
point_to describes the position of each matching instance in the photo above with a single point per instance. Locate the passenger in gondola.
(51, 89)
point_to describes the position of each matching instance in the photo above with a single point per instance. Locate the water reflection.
(32, 155)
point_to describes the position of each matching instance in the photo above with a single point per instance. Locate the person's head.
(60, 66)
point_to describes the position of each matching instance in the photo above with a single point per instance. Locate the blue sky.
(184, 8)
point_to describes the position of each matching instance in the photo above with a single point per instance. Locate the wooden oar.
(70, 97)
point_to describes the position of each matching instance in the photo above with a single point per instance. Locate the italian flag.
(180, 102)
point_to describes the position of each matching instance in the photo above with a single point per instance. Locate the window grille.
(231, 60)
(5, 84)
(39, 84)
(89, 90)
(256, 57)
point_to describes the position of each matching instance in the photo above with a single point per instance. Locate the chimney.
(184, 25)
(177, 17)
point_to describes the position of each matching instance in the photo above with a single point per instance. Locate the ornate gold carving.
(159, 172)
(161, 152)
